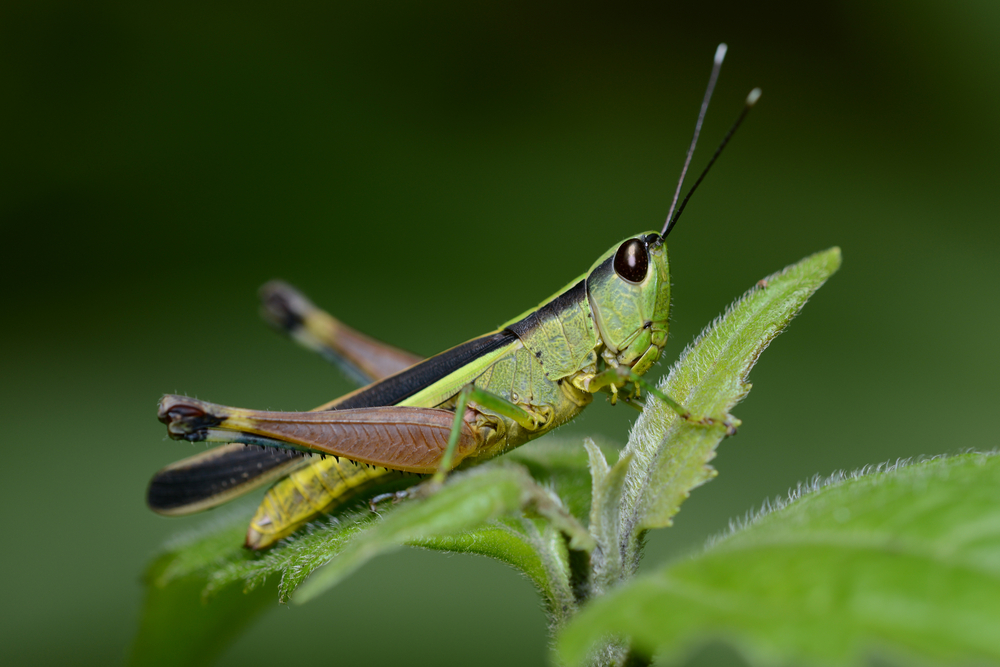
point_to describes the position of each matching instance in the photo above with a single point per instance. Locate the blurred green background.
(426, 170)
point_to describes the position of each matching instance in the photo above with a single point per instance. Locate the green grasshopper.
(477, 400)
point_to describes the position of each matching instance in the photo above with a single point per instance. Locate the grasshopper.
(470, 403)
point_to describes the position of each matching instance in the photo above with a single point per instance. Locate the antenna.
(720, 54)
(751, 100)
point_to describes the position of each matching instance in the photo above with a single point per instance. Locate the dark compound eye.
(631, 261)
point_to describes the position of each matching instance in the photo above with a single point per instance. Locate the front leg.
(531, 421)
(616, 378)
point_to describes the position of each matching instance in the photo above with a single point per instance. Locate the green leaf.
(604, 518)
(562, 464)
(295, 559)
(179, 625)
(671, 455)
(902, 562)
(193, 610)
(468, 501)
(214, 543)
(204, 573)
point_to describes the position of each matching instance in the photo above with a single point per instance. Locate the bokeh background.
(425, 170)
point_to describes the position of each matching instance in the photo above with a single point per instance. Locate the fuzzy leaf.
(466, 502)
(204, 573)
(178, 625)
(562, 464)
(296, 558)
(215, 543)
(902, 562)
(604, 517)
(671, 455)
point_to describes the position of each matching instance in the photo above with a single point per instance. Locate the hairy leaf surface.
(671, 455)
(903, 561)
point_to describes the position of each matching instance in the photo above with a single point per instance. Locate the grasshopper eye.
(631, 261)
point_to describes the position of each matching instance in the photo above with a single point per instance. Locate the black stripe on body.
(404, 384)
(568, 299)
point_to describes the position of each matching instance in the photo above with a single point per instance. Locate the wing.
(217, 476)
(207, 480)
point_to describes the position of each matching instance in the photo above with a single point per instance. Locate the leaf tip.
(833, 258)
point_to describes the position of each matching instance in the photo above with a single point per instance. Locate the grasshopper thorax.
(629, 293)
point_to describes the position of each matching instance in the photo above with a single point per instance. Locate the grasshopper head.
(629, 293)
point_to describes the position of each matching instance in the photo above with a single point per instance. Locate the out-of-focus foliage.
(901, 562)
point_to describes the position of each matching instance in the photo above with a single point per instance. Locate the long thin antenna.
(751, 100)
(720, 54)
